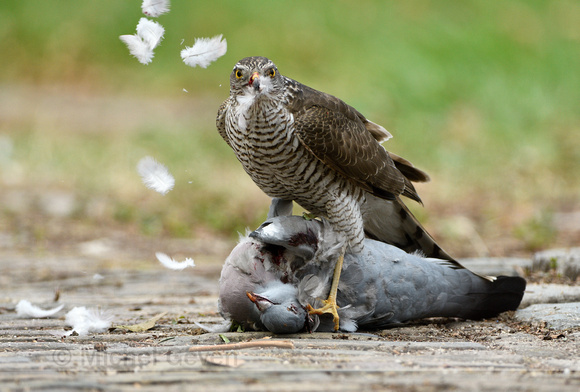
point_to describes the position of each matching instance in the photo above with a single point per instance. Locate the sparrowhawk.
(303, 145)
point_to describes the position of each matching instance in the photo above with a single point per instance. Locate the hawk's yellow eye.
(271, 72)
(239, 73)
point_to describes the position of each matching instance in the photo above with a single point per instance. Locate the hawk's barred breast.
(300, 144)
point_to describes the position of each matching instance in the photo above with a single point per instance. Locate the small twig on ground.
(243, 345)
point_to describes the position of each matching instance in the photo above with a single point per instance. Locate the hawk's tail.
(391, 221)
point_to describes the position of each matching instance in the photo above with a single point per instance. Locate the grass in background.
(483, 95)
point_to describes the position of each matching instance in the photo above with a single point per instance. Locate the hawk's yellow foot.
(330, 305)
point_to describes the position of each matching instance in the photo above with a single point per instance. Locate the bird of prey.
(303, 145)
(275, 275)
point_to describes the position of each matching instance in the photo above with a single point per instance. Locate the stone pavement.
(535, 349)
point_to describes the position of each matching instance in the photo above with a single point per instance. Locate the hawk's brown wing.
(220, 120)
(337, 134)
(409, 170)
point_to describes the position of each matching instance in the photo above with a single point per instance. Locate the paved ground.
(535, 350)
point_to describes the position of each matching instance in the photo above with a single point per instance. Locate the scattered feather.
(204, 51)
(138, 48)
(170, 263)
(150, 32)
(148, 36)
(225, 326)
(85, 320)
(144, 326)
(25, 309)
(155, 175)
(155, 8)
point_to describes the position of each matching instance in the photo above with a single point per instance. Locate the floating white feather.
(85, 320)
(155, 175)
(148, 36)
(138, 48)
(155, 8)
(204, 51)
(170, 263)
(25, 309)
(151, 32)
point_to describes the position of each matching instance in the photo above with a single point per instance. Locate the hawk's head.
(253, 76)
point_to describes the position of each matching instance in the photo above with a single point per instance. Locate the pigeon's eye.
(239, 73)
(271, 72)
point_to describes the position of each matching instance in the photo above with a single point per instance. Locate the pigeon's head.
(279, 309)
(253, 76)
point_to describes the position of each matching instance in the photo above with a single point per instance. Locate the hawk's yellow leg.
(330, 305)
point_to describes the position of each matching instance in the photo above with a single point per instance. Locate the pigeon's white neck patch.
(272, 231)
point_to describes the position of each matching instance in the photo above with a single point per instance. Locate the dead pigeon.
(274, 275)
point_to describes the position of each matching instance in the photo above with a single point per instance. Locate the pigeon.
(278, 272)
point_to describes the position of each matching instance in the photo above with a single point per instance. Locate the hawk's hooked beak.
(255, 81)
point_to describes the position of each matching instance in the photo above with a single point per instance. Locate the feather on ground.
(85, 320)
(25, 309)
(204, 51)
(155, 175)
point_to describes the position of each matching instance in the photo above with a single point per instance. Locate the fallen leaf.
(144, 326)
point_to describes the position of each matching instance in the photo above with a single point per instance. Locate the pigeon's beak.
(262, 303)
(255, 81)
(252, 296)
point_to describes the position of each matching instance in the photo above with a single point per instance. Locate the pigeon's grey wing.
(411, 287)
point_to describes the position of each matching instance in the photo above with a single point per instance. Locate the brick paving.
(434, 355)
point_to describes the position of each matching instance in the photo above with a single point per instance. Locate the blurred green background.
(483, 95)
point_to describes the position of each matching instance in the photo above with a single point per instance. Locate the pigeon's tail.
(488, 299)
(390, 221)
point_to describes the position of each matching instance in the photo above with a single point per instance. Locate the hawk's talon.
(329, 306)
